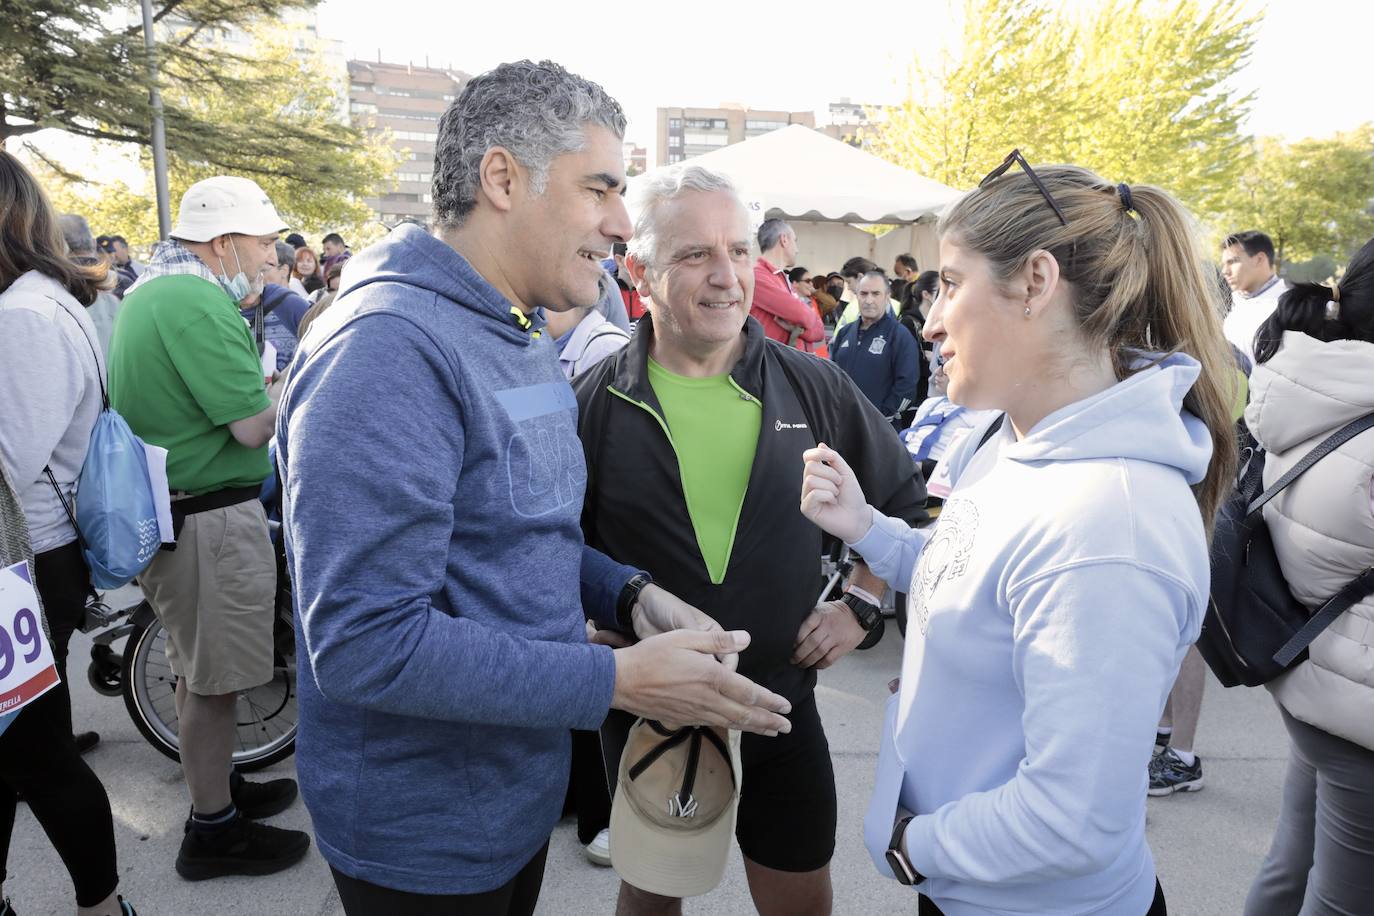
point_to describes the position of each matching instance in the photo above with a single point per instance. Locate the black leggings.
(517, 897)
(1157, 907)
(38, 758)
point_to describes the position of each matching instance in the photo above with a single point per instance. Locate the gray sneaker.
(1169, 774)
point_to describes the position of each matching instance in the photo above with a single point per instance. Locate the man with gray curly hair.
(726, 534)
(440, 573)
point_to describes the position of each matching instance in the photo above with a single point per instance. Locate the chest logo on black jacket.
(945, 557)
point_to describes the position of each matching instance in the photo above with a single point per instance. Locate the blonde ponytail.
(1139, 281)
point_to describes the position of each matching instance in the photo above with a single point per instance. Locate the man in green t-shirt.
(186, 375)
(693, 435)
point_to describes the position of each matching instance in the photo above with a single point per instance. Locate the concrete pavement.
(1207, 844)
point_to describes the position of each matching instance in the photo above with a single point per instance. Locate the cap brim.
(667, 862)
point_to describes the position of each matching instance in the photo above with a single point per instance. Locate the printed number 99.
(26, 632)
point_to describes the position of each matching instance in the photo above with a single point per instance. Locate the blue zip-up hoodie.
(1049, 613)
(433, 486)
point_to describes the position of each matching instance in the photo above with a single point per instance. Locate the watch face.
(867, 615)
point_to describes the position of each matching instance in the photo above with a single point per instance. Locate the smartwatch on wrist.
(867, 613)
(629, 597)
(896, 859)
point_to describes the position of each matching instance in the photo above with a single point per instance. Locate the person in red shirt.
(784, 317)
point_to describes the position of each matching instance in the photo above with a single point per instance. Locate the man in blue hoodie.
(433, 481)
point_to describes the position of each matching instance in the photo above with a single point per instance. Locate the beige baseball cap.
(674, 811)
(223, 204)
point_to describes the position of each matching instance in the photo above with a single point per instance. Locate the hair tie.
(1333, 308)
(1335, 292)
(1124, 192)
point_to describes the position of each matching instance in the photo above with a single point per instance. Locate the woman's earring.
(1027, 312)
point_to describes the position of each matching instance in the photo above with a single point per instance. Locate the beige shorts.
(214, 595)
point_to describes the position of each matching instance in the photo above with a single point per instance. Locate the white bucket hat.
(674, 811)
(224, 204)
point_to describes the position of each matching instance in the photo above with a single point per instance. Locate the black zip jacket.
(636, 513)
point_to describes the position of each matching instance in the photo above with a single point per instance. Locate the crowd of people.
(598, 457)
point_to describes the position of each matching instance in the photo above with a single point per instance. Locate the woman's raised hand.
(831, 496)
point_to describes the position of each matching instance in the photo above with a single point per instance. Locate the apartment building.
(687, 132)
(407, 100)
(848, 119)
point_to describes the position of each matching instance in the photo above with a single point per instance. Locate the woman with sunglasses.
(1052, 604)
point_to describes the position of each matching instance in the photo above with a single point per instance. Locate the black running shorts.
(787, 814)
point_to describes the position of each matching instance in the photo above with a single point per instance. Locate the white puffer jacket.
(1323, 524)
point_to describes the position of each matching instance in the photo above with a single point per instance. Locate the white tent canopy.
(820, 184)
(802, 173)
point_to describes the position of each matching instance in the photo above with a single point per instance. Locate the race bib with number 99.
(26, 664)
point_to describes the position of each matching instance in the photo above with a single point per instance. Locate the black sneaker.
(245, 848)
(257, 800)
(84, 741)
(5, 908)
(126, 908)
(1169, 774)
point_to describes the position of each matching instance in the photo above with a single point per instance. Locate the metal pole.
(164, 205)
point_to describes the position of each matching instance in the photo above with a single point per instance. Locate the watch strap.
(902, 868)
(629, 596)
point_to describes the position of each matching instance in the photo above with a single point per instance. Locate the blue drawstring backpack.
(116, 514)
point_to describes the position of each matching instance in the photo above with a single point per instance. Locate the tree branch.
(18, 130)
(62, 172)
(157, 17)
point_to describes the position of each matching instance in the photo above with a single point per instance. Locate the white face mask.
(238, 287)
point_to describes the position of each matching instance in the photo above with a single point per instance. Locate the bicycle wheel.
(266, 725)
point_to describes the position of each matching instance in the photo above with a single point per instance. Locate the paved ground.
(1208, 844)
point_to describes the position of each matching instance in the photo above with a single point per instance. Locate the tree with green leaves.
(1312, 197)
(1137, 91)
(270, 115)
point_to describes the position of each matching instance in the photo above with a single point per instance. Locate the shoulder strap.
(1334, 441)
(1356, 590)
(71, 516)
(991, 431)
(99, 377)
(277, 299)
(105, 404)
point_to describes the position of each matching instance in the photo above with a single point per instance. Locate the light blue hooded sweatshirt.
(1049, 611)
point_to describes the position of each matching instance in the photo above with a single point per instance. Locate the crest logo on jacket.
(945, 557)
(877, 346)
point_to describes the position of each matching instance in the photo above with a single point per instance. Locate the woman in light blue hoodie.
(1052, 604)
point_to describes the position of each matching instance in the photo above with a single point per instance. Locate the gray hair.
(772, 232)
(76, 232)
(536, 111)
(652, 190)
(286, 254)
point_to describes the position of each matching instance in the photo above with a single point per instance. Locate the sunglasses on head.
(1015, 158)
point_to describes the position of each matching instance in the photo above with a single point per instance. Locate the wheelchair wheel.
(266, 730)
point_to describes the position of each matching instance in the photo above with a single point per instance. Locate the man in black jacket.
(693, 436)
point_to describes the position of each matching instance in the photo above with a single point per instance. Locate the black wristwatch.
(896, 859)
(629, 595)
(868, 614)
